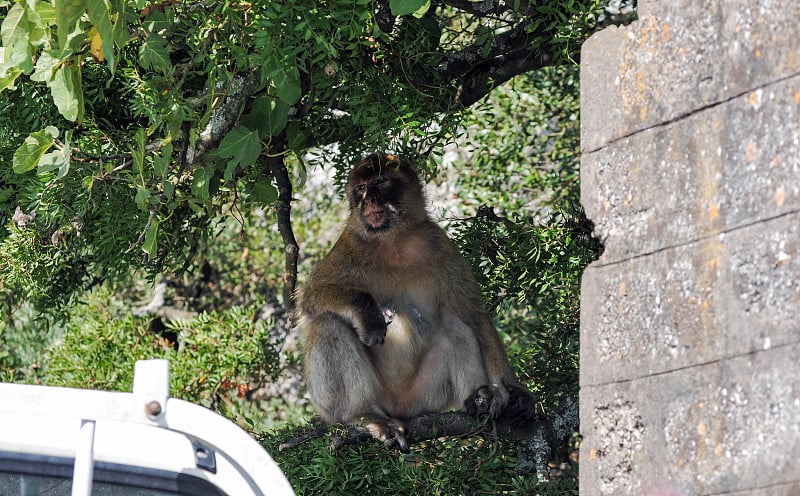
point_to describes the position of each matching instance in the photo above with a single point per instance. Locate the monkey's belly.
(426, 364)
(427, 390)
(414, 381)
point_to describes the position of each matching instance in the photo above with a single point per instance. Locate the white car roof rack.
(62, 441)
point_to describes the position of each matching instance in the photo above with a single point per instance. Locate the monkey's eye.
(361, 188)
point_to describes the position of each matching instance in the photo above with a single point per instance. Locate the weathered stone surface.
(704, 301)
(727, 427)
(718, 169)
(681, 56)
(690, 321)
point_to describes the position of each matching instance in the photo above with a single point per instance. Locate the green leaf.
(285, 80)
(405, 7)
(27, 156)
(68, 13)
(137, 150)
(295, 137)
(142, 198)
(268, 116)
(264, 192)
(153, 54)
(201, 182)
(119, 30)
(100, 18)
(66, 90)
(161, 160)
(150, 244)
(15, 26)
(242, 146)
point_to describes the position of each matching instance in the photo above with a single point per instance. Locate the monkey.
(392, 320)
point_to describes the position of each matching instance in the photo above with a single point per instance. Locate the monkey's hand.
(369, 322)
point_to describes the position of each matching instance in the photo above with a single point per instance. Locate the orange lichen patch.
(751, 151)
(754, 99)
(701, 429)
(718, 449)
(797, 97)
(592, 454)
(713, 211)
(665, 33)
(757, 53)
(623, 289)
(780, 196)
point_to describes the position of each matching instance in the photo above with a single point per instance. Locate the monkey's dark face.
(385, 193)
(377, 201)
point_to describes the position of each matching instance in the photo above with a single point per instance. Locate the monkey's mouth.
(376, 218)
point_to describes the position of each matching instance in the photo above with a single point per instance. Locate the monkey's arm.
(357, 308)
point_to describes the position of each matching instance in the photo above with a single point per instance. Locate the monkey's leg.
(342, 382)
(467, 371)
(474, 387)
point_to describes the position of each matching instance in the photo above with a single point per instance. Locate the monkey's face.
(384, 191)
(376, 200)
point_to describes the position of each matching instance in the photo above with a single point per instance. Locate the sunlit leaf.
(15, 26)
(27, 156)
(67, 93)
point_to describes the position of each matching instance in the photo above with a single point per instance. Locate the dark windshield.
(37, 475)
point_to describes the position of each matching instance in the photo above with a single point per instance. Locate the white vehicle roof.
(62, 441)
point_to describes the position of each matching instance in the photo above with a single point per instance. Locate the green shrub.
(216, 360)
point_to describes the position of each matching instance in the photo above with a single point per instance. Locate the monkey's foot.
(487, 400)
(391, 432)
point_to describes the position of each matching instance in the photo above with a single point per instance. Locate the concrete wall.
(690, 322)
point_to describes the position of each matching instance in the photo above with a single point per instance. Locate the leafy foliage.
(216, 359)
(131, 126)
(440, 467)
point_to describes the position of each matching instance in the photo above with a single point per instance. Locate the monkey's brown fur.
(392, 318)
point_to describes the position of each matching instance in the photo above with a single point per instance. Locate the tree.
(132, 126)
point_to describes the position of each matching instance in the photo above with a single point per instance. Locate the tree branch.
(477, 71)
(538, 437)
(224, 117)
(277, 168)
